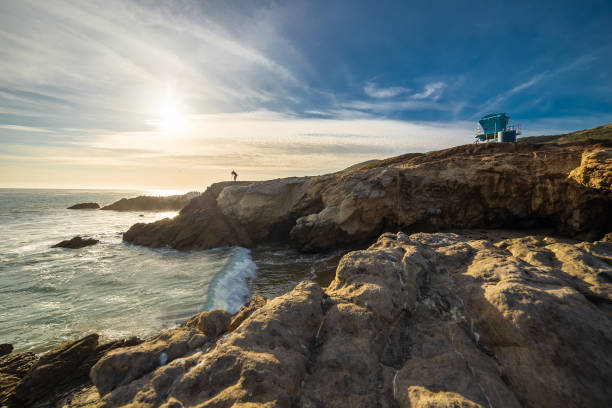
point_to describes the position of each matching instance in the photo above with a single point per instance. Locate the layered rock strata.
(566, 187)
(426, 320)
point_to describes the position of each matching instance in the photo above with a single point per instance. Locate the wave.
(229, 288)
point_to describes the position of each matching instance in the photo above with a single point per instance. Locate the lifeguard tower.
(494, 128)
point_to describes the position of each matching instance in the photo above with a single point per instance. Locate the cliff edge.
(519, 185)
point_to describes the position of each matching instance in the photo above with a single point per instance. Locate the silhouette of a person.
(234, 175)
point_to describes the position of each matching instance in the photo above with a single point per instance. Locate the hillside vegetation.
(597, 134)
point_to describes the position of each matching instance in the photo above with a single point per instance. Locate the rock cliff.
(519, 185)
(425, 320)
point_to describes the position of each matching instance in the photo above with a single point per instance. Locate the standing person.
(234, 175)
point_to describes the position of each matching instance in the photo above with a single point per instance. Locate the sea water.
(52, 295)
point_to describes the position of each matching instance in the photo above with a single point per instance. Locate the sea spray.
(229, 289)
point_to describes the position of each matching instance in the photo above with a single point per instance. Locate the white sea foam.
(229, 289)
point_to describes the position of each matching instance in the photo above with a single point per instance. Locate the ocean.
(52, 295)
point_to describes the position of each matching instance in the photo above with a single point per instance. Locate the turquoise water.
(51, 295)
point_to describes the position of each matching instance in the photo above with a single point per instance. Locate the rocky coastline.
(438, 304)
(477, 318)
(509, 185)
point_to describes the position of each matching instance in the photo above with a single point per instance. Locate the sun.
(170, 115)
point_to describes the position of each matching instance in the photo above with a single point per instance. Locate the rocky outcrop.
(60, 374)
(518, 185)
(422, 320)
(76, 242)
(85, 206)
(595, 170)
(200, 225)
(5, 349)
(152, 203)
(13, 367)
(59, 365)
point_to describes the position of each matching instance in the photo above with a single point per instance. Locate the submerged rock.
(85, 206)
(517, 185)
(433, 320)
(76, 242)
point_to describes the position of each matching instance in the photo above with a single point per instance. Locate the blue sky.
(153, 94)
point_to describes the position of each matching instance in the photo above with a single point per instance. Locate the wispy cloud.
(432, 90)
(536, 79)
(25, 128)
(373, 90)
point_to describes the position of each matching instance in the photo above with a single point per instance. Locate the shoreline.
(353, 284)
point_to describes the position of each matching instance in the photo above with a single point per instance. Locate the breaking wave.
(229, 289)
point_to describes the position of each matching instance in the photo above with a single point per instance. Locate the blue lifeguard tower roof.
(494, 122)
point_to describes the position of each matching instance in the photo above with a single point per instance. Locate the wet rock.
(85, 206)
(5, 349)
(76, 242)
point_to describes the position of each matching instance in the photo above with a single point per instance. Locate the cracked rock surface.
(422, 320)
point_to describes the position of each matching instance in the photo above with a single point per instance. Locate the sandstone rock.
(5, 349)
(76, 242)
(518, 185)
(85, 206)
(152, 203)
(200, 224)
(245, 311)
(422, 320)
(595, 170)
(212, 324)
(263, 361)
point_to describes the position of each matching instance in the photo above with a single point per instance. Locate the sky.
(173, 95)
